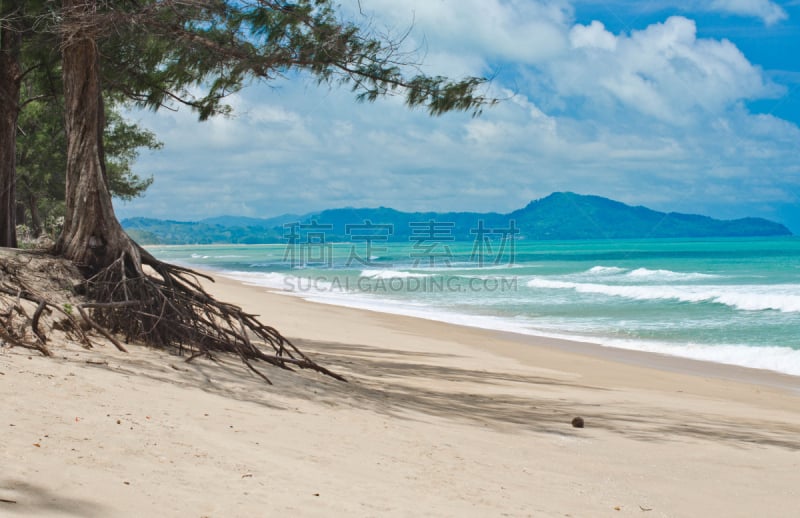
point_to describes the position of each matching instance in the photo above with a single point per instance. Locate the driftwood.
(167, 308)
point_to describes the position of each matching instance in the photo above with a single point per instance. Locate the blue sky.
(690, 106)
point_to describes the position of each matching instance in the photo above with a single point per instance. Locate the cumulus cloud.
(521, 31)
(768, 11)
(593, 35)
(663, 71)
(654, 116)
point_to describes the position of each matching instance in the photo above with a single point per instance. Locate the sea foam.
(392, 274)
(780, 359)
(781, 297)
(642, 274)
(667, 275)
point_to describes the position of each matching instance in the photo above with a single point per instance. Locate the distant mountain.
(562, 215)
(566, 215)
(242, 221)
(165, 232)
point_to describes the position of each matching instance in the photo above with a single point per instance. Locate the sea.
(727, 300)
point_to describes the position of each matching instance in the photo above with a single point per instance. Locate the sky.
(687, 106)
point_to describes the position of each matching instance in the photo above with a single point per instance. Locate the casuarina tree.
(162, 53)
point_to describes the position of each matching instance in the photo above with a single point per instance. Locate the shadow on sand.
(409, 386)
(18, 498)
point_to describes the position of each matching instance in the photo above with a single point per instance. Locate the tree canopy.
(42, 150)
(163, 53)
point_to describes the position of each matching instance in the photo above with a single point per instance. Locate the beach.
(435, 420)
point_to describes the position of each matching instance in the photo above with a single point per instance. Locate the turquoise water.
(724, 300)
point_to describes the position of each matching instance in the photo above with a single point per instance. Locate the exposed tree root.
(18, 298)
(166, 308)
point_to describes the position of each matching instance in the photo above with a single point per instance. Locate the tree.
(160, 51)
(41, 154)
(42, 151)
(220, 44)
(31, 105)
(11, 29)
(123, 140)
(29, 60)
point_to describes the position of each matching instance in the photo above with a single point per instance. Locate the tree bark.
(92, 236)
(10, 43)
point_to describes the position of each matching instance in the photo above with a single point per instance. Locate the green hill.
(561, 215)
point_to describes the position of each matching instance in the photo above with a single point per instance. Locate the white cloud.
(521, 31)
(768, 11)
(663, 71)
(656, 116)
(593, 35)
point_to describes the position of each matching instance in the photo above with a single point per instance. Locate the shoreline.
(435, 420)
(635, 357)
(594, 365)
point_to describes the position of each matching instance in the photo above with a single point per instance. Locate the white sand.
(437, 420)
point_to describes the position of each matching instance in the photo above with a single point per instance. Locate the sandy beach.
(436, 420)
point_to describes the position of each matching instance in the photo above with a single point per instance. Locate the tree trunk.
(168, 306)
(10, 42)
(92, 236)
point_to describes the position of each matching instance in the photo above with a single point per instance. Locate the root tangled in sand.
(26, 314)
(165, 307)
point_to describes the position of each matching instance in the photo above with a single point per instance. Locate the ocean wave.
(392, 274)
(462, 266)
(264, 279)
(273, 265)
(642, 274)
(667, 275)
(779, 359)
(288, 283)
(783, 302)
(605, 270)
(784, 297)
